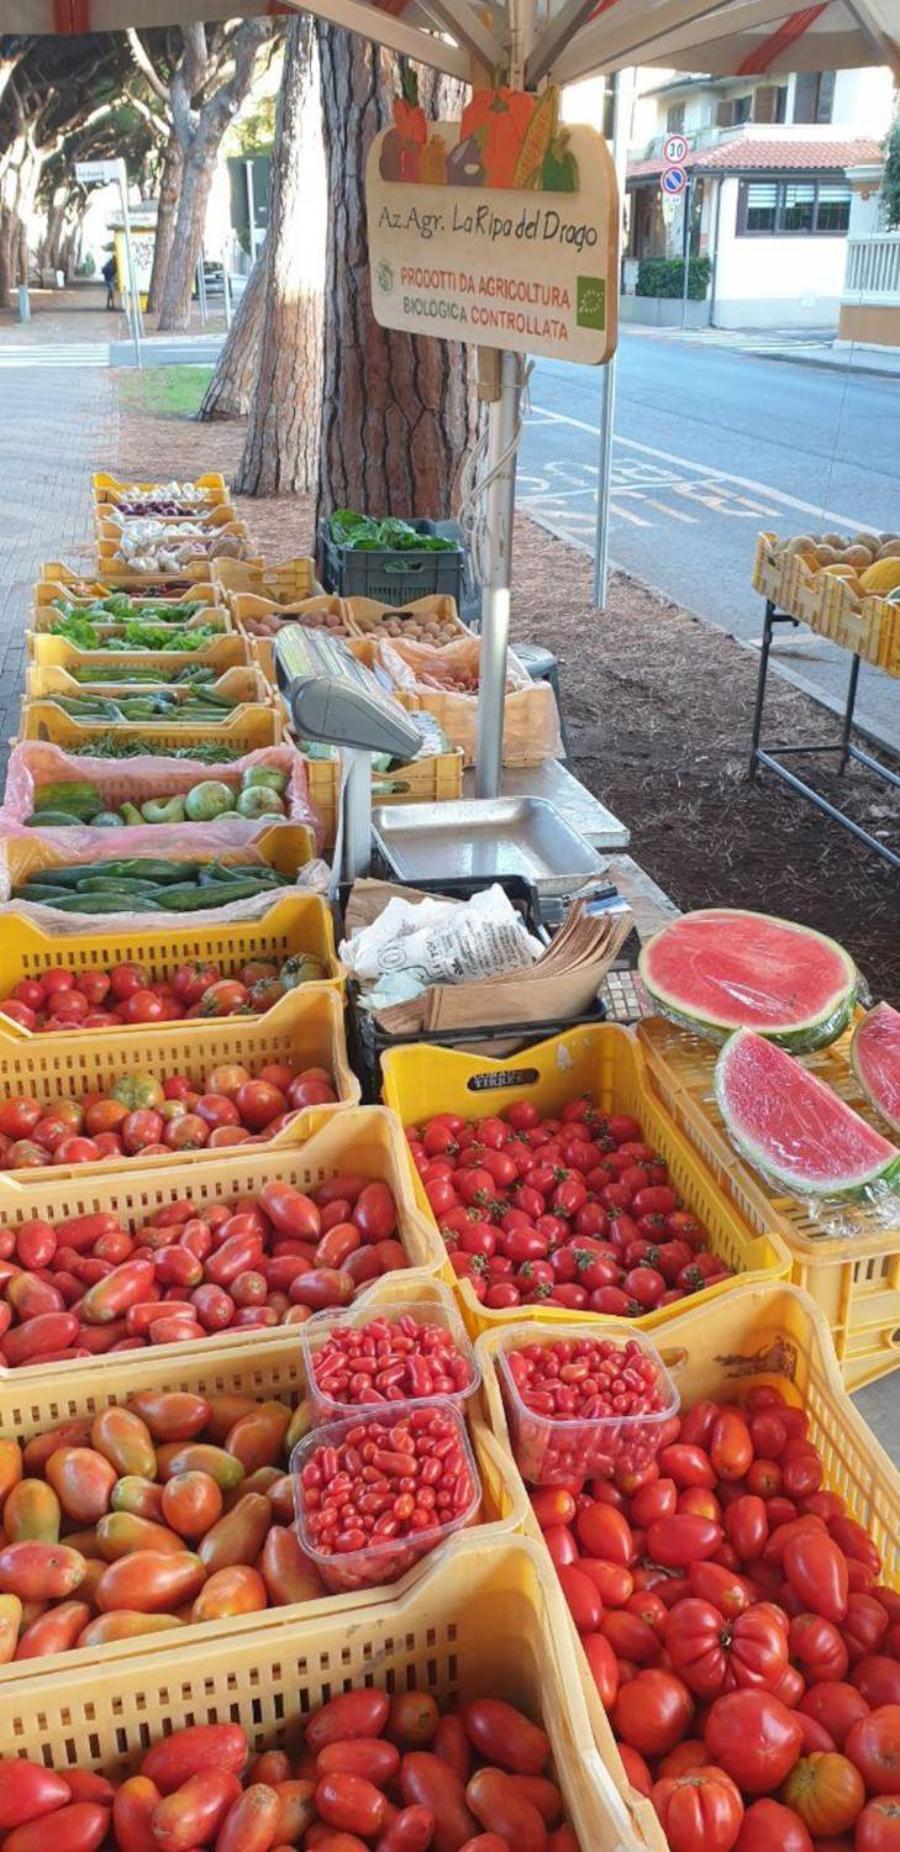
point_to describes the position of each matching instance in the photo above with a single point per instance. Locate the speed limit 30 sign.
(675, 150)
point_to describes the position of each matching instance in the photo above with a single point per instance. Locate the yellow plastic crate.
(226, 652)
(284, 582)
(46, 592)
(854, 1279)
(235, 532)
(116, 579)
(246, 728)
(108, 488)
(245, 606)
(367, 617)
(363, 1140)
(240, 684)
(296, 923)
(271, 1372)
(310, 1034)
(211, 617)
(606, 1063)
(286, 847)
(480, 1622)
(431, 780)
(758, 1334)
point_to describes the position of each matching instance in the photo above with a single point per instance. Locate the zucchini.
(53, 820)
(147, 868)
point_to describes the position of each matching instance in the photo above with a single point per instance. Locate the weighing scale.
(337, 700)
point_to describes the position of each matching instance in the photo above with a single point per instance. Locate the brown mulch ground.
(659, 708)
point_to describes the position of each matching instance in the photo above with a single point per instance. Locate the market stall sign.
(498, 230)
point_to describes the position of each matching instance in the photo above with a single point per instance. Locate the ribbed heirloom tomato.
(827, 1792)
(700, 1808)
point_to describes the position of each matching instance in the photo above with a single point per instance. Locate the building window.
(675, 119)
(781, 97)
(814, 96)
(741, 109)
(792, 208)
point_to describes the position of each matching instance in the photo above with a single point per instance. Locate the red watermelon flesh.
(721, 969)
(875, 1054)
(792, 1126)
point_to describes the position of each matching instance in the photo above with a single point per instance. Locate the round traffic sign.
(674, 181)
(674, 149)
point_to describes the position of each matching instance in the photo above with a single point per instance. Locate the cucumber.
(109, 884)
(189, 899)
(52, 820)
(43, 896)
(105, 903)
(147, 868)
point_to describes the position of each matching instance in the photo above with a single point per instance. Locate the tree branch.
(145, 64)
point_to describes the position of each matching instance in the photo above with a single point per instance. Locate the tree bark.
(169, 190)
(398, 412)
(230, 390)
(281, 450)
(187, 238)
(6, 257)
(200, 133)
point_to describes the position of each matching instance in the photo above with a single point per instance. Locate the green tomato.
(265, 775)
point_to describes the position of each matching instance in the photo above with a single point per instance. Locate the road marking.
(72, 354)
(850, 522)
(674, 514)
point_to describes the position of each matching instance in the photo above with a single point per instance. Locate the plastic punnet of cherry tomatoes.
(579, 1404)
(575, 1211)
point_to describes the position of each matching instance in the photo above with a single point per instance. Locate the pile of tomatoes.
(738, 1633)
(88, 1284)
(171, 1508)
(140, 1113)
(576, 1211)
(127, 993)
(584, 1405)
(375, 1774)
(386, 1360)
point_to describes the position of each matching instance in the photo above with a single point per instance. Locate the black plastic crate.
(391, 576)
(368, 1043)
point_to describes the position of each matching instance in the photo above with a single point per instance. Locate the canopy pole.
(622, 85)
(503, 418)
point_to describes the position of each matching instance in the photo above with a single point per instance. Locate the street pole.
(622, 84)
(136, 319)
(503, 415)
(686, 239)
(201, 289)
(226, 281)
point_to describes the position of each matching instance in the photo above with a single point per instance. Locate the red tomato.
(817, 1571)
(754, 1737)
(817, 1649)
(603, 1532)
(699, 1808)
(837, 1707)
(653, 1712)
(769, 1827)
(730, 1445)
(873, 1744)
(713, 1655)
(878, 1678)
(687, 1465)
(143, 1006)
(677, 1541)
(126, 978)
(604, 1667)
(878, 1826)
(747, 1526)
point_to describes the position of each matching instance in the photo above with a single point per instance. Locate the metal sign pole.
(687, 250)
(503, 417)
(201, 289)
(622, 88)
(136, 319)
(226, 282)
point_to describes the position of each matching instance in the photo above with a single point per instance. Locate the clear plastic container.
(437, 1309)
(383, 1559)
(554, 1452)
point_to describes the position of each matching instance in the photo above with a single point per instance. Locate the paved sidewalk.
(58, 425)
(803, 347)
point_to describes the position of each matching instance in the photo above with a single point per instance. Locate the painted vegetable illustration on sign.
(509, 139)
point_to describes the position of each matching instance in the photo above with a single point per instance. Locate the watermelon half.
(875, 1054)
(793, 1127)
(721, 969)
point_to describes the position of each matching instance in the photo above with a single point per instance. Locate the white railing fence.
(873, 269)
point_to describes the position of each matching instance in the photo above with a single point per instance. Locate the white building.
(770, 191)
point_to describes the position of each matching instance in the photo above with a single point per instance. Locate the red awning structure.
(566, 39)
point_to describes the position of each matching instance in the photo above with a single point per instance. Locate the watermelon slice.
(793, 1127)
(875, 1054)
(721, 969)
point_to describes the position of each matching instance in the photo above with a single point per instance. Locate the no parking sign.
(674, 180)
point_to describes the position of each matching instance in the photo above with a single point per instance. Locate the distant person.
(109, 278)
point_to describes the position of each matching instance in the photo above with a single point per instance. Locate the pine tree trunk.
(187, 239)
(169, 190)
(230, 390)
(6, 257)
(56, 218)
(281, 451)
(398, 413)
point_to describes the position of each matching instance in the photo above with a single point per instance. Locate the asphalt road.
(711, 445)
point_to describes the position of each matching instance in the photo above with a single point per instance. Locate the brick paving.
(57, 425)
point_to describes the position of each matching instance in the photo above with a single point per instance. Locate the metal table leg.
(848, 712)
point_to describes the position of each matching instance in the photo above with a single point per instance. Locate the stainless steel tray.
(487, 836)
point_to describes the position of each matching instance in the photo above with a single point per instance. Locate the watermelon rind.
(800, 1036)
(883, 1174)
(875, 1020)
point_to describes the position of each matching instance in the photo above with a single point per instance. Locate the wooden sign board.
(531, 264)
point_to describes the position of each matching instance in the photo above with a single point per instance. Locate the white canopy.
(565, 39)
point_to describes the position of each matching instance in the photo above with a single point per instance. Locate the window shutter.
(764, 103)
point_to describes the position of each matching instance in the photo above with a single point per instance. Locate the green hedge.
(664, 276)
